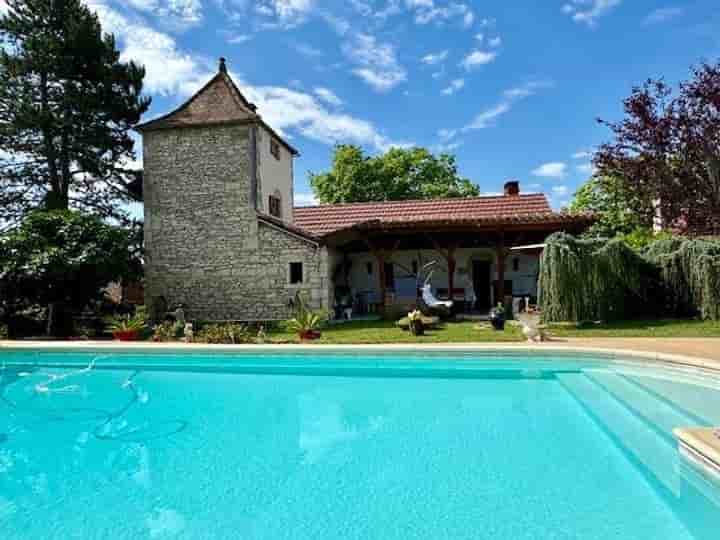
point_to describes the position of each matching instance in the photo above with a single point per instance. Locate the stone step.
(642, 442)
(702, 406)
(660, 415)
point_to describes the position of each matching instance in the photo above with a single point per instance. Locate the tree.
(67, 105)
(62, 260)
(614, 206)
(399, 174)
(666, 151)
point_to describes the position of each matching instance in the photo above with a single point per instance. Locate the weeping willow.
(690, 274)
(589, 280)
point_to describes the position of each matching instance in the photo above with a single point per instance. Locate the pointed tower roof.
(218, 102)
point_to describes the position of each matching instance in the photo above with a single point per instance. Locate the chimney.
(223, 66)
(512, 188)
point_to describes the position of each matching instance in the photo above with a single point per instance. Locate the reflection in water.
(165, 523)
(112, 426)
(323, 427)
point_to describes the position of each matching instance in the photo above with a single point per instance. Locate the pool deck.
(695, 352)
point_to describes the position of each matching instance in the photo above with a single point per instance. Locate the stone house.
(223, 239)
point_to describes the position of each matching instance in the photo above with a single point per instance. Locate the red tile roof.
(326, 219)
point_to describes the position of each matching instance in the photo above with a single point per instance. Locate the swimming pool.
(324, 446)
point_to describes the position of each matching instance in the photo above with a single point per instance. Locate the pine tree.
(67, 105)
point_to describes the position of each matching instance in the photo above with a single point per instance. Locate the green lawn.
(387, 332)
(661, 328)
(369, 332)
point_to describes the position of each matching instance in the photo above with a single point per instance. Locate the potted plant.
(306, 322)
(127, 327)
(497, 317)
(417, 326)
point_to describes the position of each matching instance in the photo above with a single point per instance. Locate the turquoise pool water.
(132, 446)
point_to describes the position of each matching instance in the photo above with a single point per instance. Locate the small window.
(296, 273)
(516, 264)
(415, 267)
(274, 206)
(369, 268)
(275, 148)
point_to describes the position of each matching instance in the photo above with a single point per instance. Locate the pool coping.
(534, 348)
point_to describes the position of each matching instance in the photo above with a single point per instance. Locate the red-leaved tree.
(666, 150)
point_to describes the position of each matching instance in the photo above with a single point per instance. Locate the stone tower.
(218, 195)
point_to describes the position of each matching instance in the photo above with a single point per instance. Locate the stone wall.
(205, 247)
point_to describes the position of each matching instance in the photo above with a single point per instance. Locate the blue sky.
(511, 88)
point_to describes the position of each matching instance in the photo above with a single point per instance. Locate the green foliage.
(4, 334)
(67, 108)
(399, 174)
(589, 280)
(168, 331)
(613, 205)
(62, 260)
(224, 334)
(690, 271)
(305, 319)
(128, 323)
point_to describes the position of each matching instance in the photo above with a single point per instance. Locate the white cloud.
(3, 6)
(560, 191)
(663, 15)
(180, 13)
(455, 86)
(586, 168)
(237, 39)
(339, 25)
(487, 117)
(305, 199)
(551, 170)
(171, 71)
(427, 11)
(477, 58)
(284, 13)
(435, 58)
(307, 50)
(495, 42)
(378, 64)
(328, 96)
(582, 154)
(447, 134)
(589, 11)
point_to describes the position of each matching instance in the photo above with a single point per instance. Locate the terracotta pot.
(309, 335)
(126, 335)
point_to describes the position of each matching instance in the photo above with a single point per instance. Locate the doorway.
(481, 284)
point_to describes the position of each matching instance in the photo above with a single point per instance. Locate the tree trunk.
(54, 200)
(52, 307)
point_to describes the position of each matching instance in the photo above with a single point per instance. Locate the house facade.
(223, 240)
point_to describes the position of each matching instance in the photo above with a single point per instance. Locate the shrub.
(305, 319)
(168, 331)
(4, 331)
(588, 280)
(225, 333)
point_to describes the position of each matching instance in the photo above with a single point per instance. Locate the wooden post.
(500, 286)
(452, 265)
(381, 256)
(449, 256)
